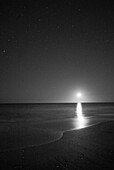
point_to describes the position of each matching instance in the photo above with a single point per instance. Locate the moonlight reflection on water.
(79, 110)
(80, 121)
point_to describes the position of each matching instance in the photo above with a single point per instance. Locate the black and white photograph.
(56, 85)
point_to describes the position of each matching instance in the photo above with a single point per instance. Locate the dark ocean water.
(29, 125)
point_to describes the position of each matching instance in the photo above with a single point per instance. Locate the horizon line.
(55, 102)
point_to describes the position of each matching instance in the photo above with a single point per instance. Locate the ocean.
(30, 125)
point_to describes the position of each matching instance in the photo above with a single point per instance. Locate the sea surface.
(31, 125)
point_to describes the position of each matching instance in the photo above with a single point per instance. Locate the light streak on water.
(79, 110)
(81, 121)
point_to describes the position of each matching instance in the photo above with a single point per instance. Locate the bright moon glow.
(79, 95)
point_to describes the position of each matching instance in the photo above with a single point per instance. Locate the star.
(72, 25)
(9, 40)
(58, 27)
(107, 41)
(4, 51)
(39, 19)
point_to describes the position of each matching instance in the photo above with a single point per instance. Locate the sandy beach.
(88, 148)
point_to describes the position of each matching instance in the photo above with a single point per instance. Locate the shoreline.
(57, 135)
(61, 135)
(87, 148)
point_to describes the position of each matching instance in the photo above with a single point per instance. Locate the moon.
(79, 94)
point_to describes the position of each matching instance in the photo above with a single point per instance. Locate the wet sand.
(22, 135)
(88, 148)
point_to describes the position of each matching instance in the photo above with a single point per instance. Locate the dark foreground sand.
(89, 148)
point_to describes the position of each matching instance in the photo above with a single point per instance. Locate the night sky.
(49, 50)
